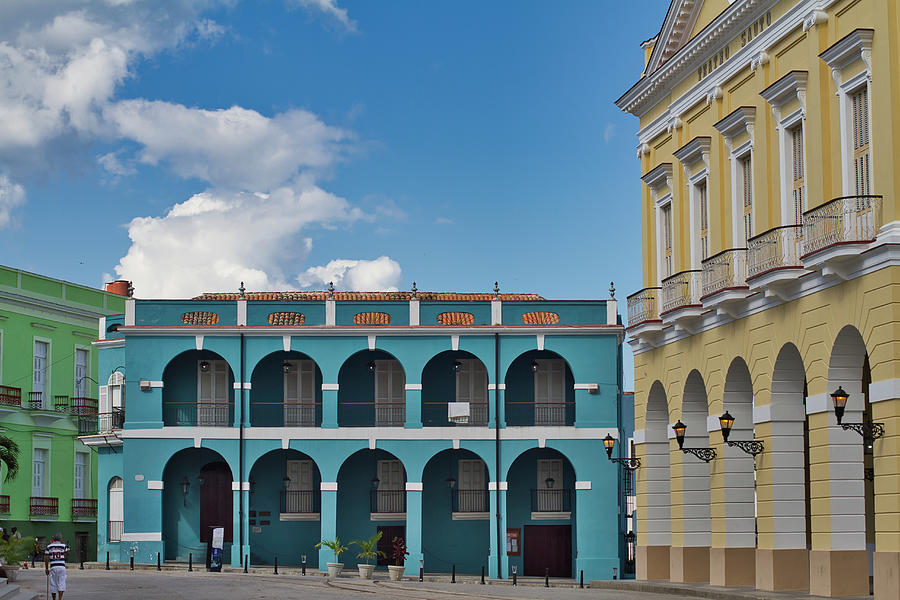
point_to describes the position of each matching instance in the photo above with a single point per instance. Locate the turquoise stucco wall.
(267, 390)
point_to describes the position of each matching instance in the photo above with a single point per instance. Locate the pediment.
(684, 20)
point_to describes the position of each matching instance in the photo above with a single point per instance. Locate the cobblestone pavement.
(151, 585)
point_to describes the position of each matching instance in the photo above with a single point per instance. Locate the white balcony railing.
(777, 248)
(680, 290)
(643, 306)
(847, 220)
(725, 270)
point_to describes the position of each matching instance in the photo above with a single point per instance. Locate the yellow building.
(769, 139)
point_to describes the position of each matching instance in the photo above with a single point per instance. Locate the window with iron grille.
(747, 195)
(797, 174)
(859, 102)
(704, 220)
(667, 239)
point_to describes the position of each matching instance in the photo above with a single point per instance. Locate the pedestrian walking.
(55, 566)
(14, 532)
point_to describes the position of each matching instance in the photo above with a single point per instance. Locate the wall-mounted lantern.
(371, 367)
(629, 463)
(867, 429)
(549, 483)
(204, 366)
(534, 366)
(286, 367)
(185, 488)
(374, 482)
(457, 366)
(704, 454)
(451, 482)
(752, 447)
(285, 482)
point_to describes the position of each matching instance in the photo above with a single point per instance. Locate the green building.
(48, 395)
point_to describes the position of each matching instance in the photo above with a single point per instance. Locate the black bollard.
(107, 561)
(157, 562)
(81, 565)
(514, 578)
(303, 565)
(246, 563)
(131, 563)
(453, 575)
(482, 574)
(32, 561)
(547, 577)
(191, 562)
(276, 564)
(421, 573)
(581, 580)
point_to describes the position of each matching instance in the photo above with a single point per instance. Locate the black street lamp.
(374, 482)
(867, 429)
(704, 454)
(752, 447)
(629, 463)
(534, 366)
(457, 366)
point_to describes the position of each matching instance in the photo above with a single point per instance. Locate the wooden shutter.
(292, 383)
(747, 195)
(39, 472)
(81, 472)
(798, 174)
(103, 393)
(704, 221)
(205, 383)
(220, 386)
(464, 382)
(667, 240)
(116, 504)
(861, 163)
(80, 372)
(307, 372)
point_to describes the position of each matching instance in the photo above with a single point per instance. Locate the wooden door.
(547, 547)
(388, 533)
(215, 500)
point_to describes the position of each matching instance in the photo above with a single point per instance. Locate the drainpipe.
(241, 457)
(500, 540)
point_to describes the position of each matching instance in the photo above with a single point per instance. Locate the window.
(299, 393)
(81, 372)
(471, 387)
(390, 393)
(747, 195)
(471, 486)
(39, 383)
(39, 474)
(212, 392)
(82, 474)
(111, 398)
(797, 174)
(549, 485)
(116, 507)
(549, 392)
(859, 102)
(667, 239)
(391, 492)
(703, 202)
(299, 492)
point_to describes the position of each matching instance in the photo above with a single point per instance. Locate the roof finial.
(415, 291)
(130, 290)
(612, 290)
(330, 290)
(242, 289)
(496, 290)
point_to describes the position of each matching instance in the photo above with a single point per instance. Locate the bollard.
(453, 575)
(32, 561)
(276, 564)
(107, 561)
(157, 562)
(246, 563)
(421, 573)
(514, 577)
(81, 565)
(303, 564)
(547, 577)
(615, 573)
(191, 562)
(482, 574)
(131, 563)
(581, 580)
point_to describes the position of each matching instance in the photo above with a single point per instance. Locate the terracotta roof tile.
(290, 319)
(455, 318)
(540, 318)
(372, 318)
(370, 296)
(199, 318)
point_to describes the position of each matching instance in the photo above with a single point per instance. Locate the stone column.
(887, 496)
(330, 405)
(413, 406)
(413, 527)
(327, 521)
(497, 545)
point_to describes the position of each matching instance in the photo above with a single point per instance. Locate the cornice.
(694, 151)
(792, 85)
(849, 48)
(658, 176)
(737, 122)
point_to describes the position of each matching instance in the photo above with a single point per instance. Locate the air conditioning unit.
(145, 385)
(458, 412)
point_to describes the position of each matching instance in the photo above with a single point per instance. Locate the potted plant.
(13, 552)
(398, 555)
(368, 550)
(335, 545)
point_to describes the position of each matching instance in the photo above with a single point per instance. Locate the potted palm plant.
(14, 552)
(368, 550)
(335, 545)
(398, 555)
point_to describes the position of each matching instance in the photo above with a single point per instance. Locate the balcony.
(35, 401)
(203, 414)
(10, 399)
(725, 278)
(840, 229)
(773, 257)
(541, 414)
(83, 406)
(300, 505)
(4, 505)
(92, 424)
(681, 297)
(42, 507)
(84, 509)
(643, 312)
(470, 505)
(390, 414)
(387, 505)
(61, 404)
(553, 504)
(45, 414)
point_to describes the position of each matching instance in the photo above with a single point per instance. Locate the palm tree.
(9, 455)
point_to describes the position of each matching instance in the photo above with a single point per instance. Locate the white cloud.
(381, 274)
(331, 9)
(12, 195)
(608, 132)
(444, 221)
(114, 165)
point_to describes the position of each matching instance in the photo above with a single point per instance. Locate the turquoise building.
(469, 425)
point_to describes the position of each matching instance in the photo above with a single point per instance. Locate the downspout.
(241, 457)
(500, 540)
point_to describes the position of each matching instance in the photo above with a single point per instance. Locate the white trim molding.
(146, 536)
(154, 485)
(413, 387)
(492, 486)
(582, 485)
(590, 387)
(235, 486)
(887, 389)
(639, 436)
(818, 403)
(762, 413)
(494, 386)
(413, 486)
(237, 385)
(328, 486)
(198, 342)
(857, 45)
(330, 387)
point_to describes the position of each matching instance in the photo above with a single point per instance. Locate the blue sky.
(189, 145)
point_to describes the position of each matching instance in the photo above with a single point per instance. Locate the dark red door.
(388, 533)
(215, 500)
(548, 547)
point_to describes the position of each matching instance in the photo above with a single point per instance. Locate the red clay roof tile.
(370, 296)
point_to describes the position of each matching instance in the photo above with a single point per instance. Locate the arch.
(695, 473)
(371, 390)
(285, 483)
(544, 397)
(539, 502)
(115, 509)
(208, 501)
(657, 530)
(788, 448)
(198, 389)
(456, 526)
(286, 398)
(443, 383)
(738, 466)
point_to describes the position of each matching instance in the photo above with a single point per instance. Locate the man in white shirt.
(55, 565)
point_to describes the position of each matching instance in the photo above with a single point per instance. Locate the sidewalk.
(702, 590)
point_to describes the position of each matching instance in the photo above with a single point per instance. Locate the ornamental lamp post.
(867, 429)
(704, 454)
(185, 488)
(679, 428)
(752, 447)
(629, 463)
(839, 398)
(726, 421)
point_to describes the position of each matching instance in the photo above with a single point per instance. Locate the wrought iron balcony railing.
(10, 396)
(300, 501)
(83, 406)
(61, 404)
(390, 414)
(299, 414)
(470, 501)
(643, 306)
(681, 290)
(725, 270)
(209, 414)
(555, 500)
(35, 401)
(846, 220)
(84, 508)
(777, 248)
(43, 506)
(387, 501)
